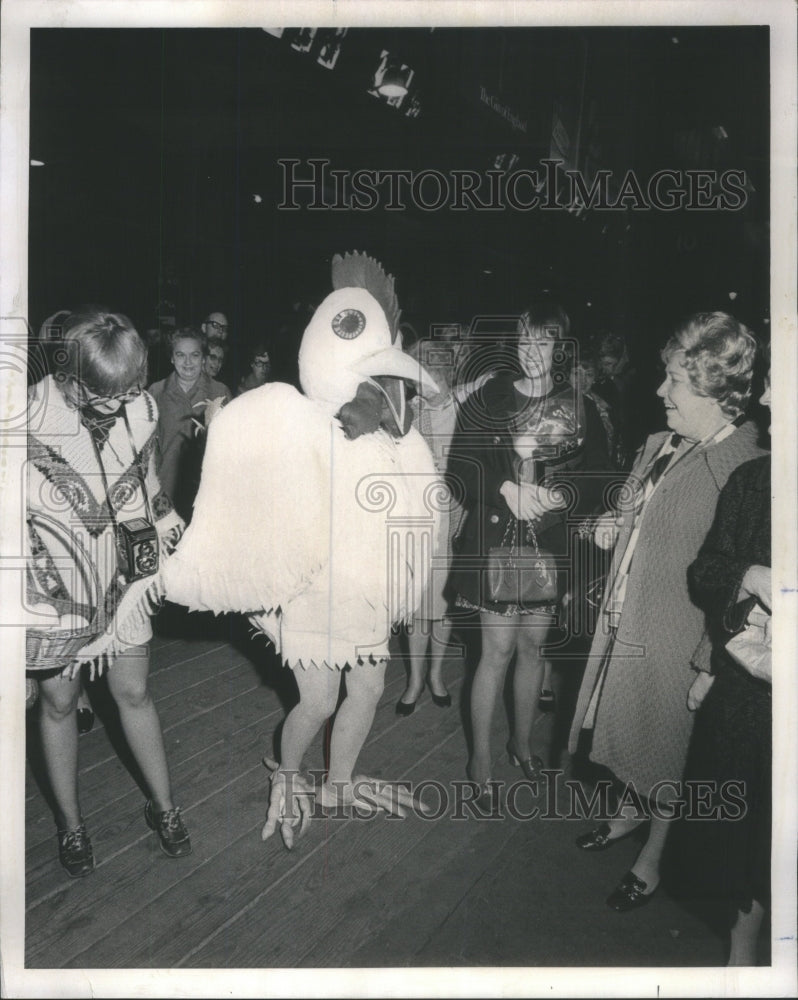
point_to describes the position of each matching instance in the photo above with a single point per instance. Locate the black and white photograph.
(398, 495)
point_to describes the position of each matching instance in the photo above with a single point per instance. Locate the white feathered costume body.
(324, 541)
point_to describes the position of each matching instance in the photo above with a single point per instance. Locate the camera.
(137, 549)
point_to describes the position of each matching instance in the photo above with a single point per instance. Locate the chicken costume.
(316, 516)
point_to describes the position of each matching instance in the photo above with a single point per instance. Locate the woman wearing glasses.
(99, 525)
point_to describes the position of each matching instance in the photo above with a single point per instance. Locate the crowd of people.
(536, 439)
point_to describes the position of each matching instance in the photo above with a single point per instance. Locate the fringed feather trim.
(245, 592)
(138, 605)
(359, 662)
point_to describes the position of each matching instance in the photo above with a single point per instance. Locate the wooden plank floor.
(354, 892)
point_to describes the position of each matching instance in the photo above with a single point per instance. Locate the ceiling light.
(394, 81)
(37, 163)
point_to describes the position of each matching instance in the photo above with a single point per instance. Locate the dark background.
(155, 143)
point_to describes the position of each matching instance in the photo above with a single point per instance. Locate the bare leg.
(529, 668)
(744, 935)
(127, 682)
(59, 734)
(417, 641)
(498, 646)
(364, 686)
(648, 860)
(318, 696)
(439, 643)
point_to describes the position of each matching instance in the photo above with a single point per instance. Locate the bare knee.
(59, 698)
(130, 692)
(366, 681)
(318, 692)
(531, 638)
(498, 645)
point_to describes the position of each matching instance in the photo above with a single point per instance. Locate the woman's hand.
(525, 445)
(699, 689)
(757, 583)
(529, 502)
(606, 531)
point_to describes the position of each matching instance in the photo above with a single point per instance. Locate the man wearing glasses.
(214, 359)
(215, 325)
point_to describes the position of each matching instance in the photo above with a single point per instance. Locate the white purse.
(751, 648)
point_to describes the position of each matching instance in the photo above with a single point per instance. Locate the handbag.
(520, 574)
(751, 648)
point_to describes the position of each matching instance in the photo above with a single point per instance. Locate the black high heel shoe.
(531, 767)
(85, 720)
(483, 791)
(483, 798)
(441, 700)
(405, 708)
(547, 700)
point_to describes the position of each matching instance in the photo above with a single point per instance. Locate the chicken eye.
(349, 323)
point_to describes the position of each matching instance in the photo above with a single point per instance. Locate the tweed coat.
(642, 725)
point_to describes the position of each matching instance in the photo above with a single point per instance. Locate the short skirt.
(550, 611)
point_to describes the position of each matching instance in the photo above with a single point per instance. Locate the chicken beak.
(388, 369)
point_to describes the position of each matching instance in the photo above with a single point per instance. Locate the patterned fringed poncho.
(73, 576)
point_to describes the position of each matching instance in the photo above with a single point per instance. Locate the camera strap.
(98, 456)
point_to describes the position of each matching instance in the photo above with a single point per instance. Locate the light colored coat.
(642, 725)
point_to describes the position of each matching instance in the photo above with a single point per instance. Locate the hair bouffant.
(719, 353)
(189, 333)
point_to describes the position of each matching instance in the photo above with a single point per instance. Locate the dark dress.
(732, 738)
(482, 458)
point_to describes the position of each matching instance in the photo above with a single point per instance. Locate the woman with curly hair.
(633, 699)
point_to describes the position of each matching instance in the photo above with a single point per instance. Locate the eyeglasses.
(120, 397)
(215, 325)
